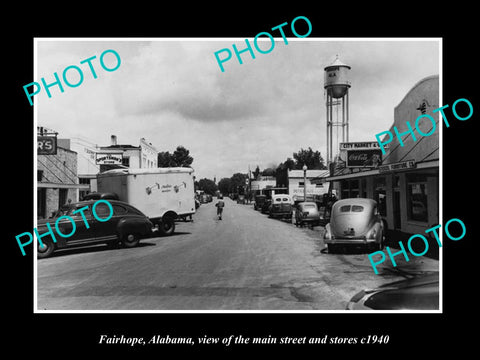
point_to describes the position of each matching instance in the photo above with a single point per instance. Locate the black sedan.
(126, 226)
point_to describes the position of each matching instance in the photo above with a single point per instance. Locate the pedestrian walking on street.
(220, 205)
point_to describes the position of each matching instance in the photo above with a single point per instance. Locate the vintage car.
(126, 226)
(307, 213)
(281, 206)
(241, 199)
(418, 293)
(265, 209)
(259, 201)
(354, 221)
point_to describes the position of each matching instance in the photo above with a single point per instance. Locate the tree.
(224, 185)
(238, 182)
(281, 172)
(207, 185)
(268, 172)
(180, 158)
(313, 159)
(165, 159)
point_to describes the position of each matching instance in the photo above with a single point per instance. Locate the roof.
(120, 147)
(310, 173)
(170, 170)
(417, 84)
(337, 62)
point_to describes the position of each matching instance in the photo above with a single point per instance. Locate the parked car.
(241, 199)
(127, 226)
(281, 206)
(307, 213)
(418, 293)
(354, 221)
(259, 201)
(266, 206)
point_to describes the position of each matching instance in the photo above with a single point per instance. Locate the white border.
(337, 39)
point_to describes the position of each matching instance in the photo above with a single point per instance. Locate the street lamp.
(304, 182)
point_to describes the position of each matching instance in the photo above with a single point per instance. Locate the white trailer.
(163, 194)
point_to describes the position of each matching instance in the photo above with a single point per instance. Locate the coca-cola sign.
(364, 158)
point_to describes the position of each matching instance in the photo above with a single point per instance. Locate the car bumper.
(314, 220)
(277, 214)
(349, 241)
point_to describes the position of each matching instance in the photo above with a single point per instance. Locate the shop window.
(62, 197)
(350, 189)
(126, 161)
(41, 202)
(417, 196)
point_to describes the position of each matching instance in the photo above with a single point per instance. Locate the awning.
(392, 168)
(49, 185)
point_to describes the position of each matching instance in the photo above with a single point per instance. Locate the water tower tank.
(336, 78)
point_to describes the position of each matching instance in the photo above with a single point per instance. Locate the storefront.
(405, 181)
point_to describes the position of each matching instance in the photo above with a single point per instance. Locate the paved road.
(244, 262)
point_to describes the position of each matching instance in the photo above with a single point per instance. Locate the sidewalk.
(393, 237)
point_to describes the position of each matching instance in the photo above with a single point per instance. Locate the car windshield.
(357, 208)
(345, 208)
(311, 206)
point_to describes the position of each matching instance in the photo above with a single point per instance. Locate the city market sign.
(409, 164)
(108, 159)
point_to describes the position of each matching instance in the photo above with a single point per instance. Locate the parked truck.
(163, 194)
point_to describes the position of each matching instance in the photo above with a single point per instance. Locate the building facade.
(262, 183)
(57, 181)
(87, 166)
(405, 183)
(296, 184)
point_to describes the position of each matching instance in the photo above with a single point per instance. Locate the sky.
(172, 92)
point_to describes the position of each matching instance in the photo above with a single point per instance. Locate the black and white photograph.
(218, 179)
(249, 184)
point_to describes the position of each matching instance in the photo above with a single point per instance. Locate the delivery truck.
(163, 194)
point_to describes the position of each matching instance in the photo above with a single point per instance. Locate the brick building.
(57, 181)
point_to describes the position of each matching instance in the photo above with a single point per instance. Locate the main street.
(246, 261)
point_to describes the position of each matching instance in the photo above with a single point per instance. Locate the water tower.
(336, 85)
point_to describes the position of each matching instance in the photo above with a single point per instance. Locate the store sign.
(108, 159)
(361, 154)
(359, 145)
(364, 158)
(46, 145)
(409, 164)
